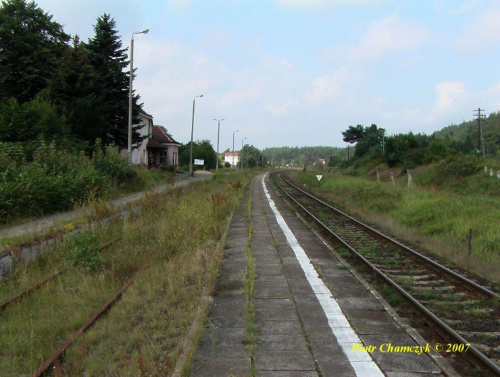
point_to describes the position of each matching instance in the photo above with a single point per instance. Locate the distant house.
(233, 159)
(320, 161)
(157, 148)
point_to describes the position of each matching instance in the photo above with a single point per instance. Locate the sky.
(299, 72)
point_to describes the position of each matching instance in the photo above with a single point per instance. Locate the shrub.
(56, 179)
(83, 251)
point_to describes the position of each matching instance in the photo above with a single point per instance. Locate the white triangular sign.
(319, 177)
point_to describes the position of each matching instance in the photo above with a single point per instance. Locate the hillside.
(465, 135)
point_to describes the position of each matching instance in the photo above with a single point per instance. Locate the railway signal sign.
(319, 177)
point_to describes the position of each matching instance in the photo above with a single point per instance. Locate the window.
(175, 159)
(163, 157)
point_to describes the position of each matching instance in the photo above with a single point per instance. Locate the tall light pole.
(192, 128)
(242, 140)
(218, 134)
(233, 146)
(145, 31)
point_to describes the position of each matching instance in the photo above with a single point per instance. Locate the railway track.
(43, 281)
(465, 311)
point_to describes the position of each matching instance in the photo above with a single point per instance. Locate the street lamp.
(218, 133)
(145, 31)
(192, 128)
(233, 145)
(242, 140)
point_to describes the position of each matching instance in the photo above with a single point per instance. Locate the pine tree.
(30, 45)
(74, 89)
(109, 61)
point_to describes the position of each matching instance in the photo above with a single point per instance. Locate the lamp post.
(233, 147)
(242, 140)
(129, 149)
(218, 133)
(192, 128)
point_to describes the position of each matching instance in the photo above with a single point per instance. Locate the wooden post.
(392, 178)
(410, 179)
(378, 176)
(470, 241)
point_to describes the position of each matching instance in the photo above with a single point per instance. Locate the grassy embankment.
(435, 214)
(142, 334)
(57, 180)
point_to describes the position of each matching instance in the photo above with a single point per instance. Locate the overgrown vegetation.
(446, 200)
(143, 332)
(56, 179)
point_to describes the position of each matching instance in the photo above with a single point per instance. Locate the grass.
(436, 218)
(143, 332)
(251, 330)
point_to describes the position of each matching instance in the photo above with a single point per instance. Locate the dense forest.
(301, 156)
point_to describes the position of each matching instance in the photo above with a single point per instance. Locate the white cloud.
(482, 33)
(280, 109)
(179, 4)
(389, 34)
(451, 99)
(324, 4)
(216, 39)
(448, 94)
(328, 87)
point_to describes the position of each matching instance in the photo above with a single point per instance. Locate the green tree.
(30, 46)
(437, 150)
(202, 150)
(252, 157)
(73, 90)
(109, 60)
(25, 122)
(367, 139)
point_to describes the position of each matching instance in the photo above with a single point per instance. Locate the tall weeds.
(142, 334)
(436, 217)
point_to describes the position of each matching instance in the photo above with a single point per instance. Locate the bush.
(83, 251)
(56, 179)
(169, 168)
(460, 166)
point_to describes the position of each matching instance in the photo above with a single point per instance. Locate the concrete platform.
(307, 325)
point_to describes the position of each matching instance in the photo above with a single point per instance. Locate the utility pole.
(480, 138)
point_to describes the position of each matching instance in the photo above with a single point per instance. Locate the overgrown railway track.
(461, 309)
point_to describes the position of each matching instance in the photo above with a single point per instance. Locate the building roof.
(153, 144)
(161, 135)
(230, 154)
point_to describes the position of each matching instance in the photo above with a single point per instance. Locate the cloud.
(448, 94)
(280, 109)
(216, 39)
(386, 35)
(482, 33)
(324, 4)
(328, 87)
(179, 4)
(451, 98)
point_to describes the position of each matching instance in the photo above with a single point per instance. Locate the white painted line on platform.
(361, 362)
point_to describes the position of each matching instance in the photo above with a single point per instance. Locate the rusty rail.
(30, 289)
(27, 291)
(53, 360)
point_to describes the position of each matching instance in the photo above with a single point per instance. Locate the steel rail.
(387, 238)
(57, 354)
(478, 354)
(28, 290)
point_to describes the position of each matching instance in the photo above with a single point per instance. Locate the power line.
(480, 138)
